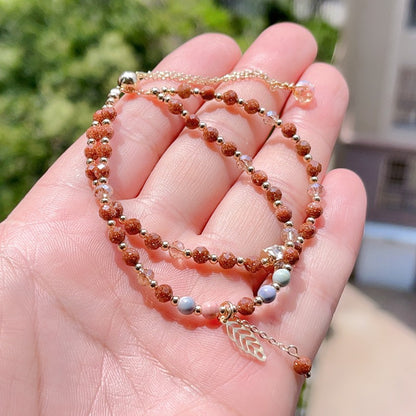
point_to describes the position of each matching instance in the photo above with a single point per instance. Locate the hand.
(79, 336)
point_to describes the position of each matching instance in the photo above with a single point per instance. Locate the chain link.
(292, 350)
(201, 80)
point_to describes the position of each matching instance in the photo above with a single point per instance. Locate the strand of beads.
(98, 152)
(283, 213)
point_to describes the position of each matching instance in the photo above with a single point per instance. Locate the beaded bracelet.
(276, 261)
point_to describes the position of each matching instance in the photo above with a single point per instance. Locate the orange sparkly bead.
(98, 116)
(105, 130)
(118, 208)
(251, 106)
(288, 129)
(163, 293)
(153, 241)
(307, 230)
(184, 90)
(283, 213)
(175, 107)
(132, 226)
(313, 168)
(102, 170)
(290, 255)
(303, 147)
(116, 235)
(107, 212)
(109, 112)
(298, 246)
(207, 93)
(227, 260)
(252, 264)
(273, 194)
(245, 306)
(103, 150)
(91, 152)
(93, 133)
(258, 177)
(192, 121)
(131, 256)
(210, 134)
(90, 171)
(314, 209)
(302, 366)
(230, 97)
(228, 148)
(200, 255)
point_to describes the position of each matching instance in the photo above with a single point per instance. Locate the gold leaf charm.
(245, 339)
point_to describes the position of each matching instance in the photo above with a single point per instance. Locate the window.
(398, 184)
(412, 13)
(405, 113)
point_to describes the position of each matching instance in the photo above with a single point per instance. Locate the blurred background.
(58, 59)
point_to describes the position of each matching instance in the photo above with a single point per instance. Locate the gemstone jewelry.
(274, 262)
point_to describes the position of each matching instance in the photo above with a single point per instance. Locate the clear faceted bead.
(103, 190)
(271, 118)
(275, 252)
(244, 161)
(303, 92)
(145, 276)
(176, 249)
(289, 234)
(315, 189)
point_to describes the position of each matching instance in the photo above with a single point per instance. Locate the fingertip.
(345, 210)
(290, 35)
(216, 49)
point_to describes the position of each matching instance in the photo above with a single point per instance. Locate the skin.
(79, 336)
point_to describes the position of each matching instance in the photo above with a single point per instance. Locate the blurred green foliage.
(58, 58)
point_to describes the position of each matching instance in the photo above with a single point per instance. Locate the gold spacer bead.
(175, 300)
(258, 301)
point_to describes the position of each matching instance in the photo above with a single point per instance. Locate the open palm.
(78, 335)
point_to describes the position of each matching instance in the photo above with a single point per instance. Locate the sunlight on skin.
(77, 334)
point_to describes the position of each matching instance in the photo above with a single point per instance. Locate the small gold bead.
(213, 258)
(258, 301)
(265, 185)
(175, 300)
